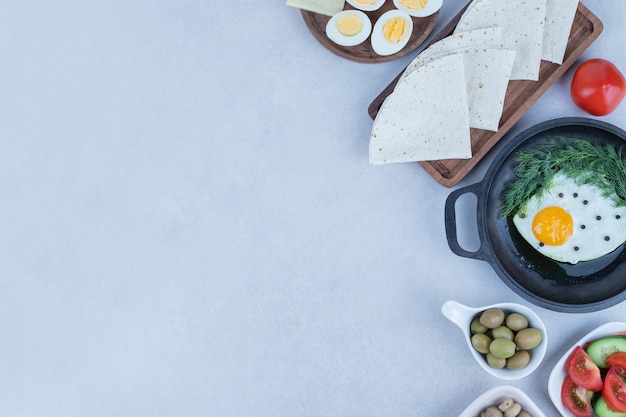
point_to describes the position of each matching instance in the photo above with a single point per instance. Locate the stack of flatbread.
(535, 29)
(460, 82)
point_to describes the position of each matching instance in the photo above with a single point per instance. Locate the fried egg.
(391, 32)
(572, 223)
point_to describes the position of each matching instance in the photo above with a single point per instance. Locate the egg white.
(431, 7)
(599, 226)
(381, 45)
(366, 7)
(339, 38)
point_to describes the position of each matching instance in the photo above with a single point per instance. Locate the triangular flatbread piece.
(522, 23)
(488, 37)
(426, 116)
(559, 19)
(487, 75)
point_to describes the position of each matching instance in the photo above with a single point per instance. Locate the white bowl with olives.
(508, 340)
(496, 397)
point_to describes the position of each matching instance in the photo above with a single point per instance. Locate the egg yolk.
(349, 24)
(366, 2)
(553, 226)
(414, 4)
(394, 29)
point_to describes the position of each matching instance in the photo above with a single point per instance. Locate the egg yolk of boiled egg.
(349, 24)
(553, 226)
(414, 4)
(366, 2)
(394, 28)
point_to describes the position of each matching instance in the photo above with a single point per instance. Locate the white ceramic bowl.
(432, 7)
(462, 316)
(496, 396)
(558, 373)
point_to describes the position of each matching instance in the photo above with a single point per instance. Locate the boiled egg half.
(419, 8)
(366, 5)
(391, 32)
(349, 28)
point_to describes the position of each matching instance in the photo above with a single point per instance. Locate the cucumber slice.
(602, 409)
(599, 349)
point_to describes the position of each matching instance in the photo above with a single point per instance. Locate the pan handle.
(450, 222)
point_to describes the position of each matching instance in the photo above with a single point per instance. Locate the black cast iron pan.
(586, 286)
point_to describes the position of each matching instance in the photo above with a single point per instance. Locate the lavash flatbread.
(426, 117)
(487, 71)
(559, 19)
(487, 75)
(488, 37)
(522, 23)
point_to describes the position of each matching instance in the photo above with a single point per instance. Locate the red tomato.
(583, 371)
(576, 399)
(617, 361)
(614, 391)
(598, 87)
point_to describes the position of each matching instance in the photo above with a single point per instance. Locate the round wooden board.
(422, 26)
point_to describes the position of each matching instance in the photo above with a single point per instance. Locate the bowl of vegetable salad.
(589, 380)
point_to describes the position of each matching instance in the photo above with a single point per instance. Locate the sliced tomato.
(583, 371)
(614, 391)
(576, 399)
(617, 361)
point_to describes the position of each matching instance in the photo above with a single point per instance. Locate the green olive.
(528, 338)
(516, 322)
(495, 362)
(519, 360)
(492, 412)
(476, 327)
(481, 342)
(502, 348)
(513, 411)
(502, 332)
(492, 318)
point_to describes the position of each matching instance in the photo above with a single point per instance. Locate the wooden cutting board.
(520, 96)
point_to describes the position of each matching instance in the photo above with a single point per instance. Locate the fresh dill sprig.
(579, 159)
